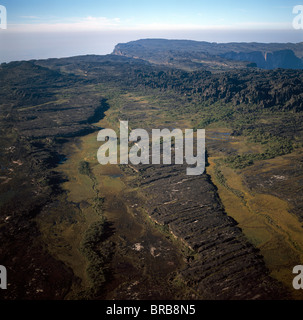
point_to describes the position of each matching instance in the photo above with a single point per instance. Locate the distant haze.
(43, 29)
(42, 45)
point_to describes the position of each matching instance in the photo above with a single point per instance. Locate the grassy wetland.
(266, 219)
(108, 240)
(87, 231)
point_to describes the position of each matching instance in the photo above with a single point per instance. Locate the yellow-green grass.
(264, 219)
(64, 237)
(267, 223)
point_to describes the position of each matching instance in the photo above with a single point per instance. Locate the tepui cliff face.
(196, 54)
(285, 59)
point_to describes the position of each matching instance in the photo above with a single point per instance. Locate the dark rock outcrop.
(223, 264)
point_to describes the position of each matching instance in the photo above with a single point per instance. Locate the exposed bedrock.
(224, 265)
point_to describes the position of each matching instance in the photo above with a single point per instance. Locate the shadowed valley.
(74, 229)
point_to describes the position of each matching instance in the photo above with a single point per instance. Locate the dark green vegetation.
(97, 261)
(84, 168)
(45, 104)
(93, 237)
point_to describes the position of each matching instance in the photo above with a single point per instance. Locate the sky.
(44, 29)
